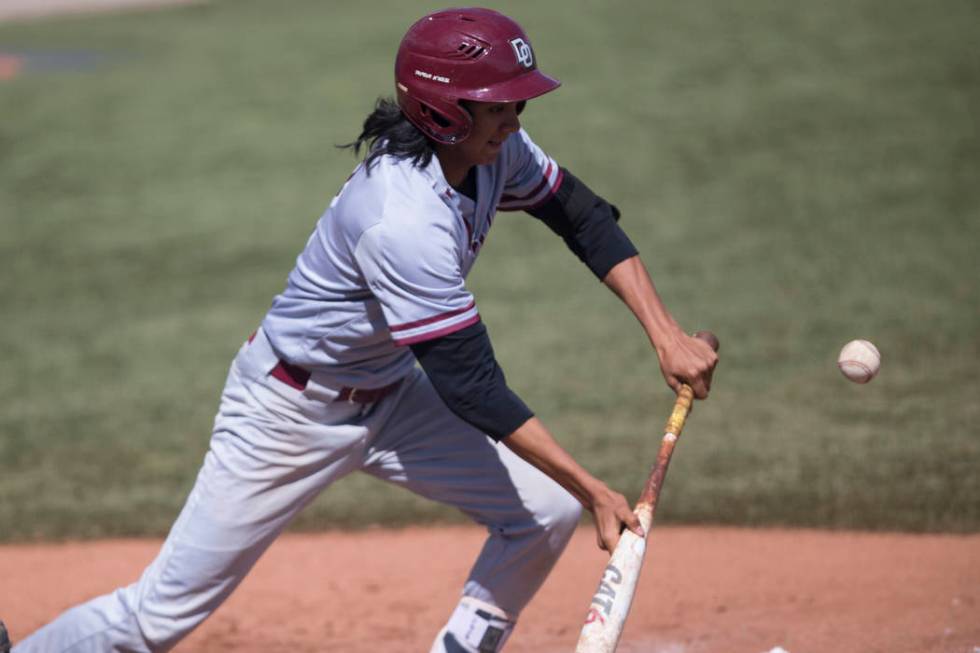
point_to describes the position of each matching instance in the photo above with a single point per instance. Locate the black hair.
(387, 131)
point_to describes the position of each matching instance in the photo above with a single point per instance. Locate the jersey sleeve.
(417, 280)
(532, 176)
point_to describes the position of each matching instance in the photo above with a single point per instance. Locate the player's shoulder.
(398, 196)
(392, 188)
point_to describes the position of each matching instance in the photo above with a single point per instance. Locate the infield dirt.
(702, 590)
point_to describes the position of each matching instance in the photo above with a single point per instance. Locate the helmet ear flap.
(442, 121)
(431, 114)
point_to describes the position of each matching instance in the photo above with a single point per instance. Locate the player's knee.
(570, 512)
(157, 625)
(549, 521)
(157, 631)
(562, 516)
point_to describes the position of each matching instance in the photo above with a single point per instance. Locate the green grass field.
(796, 175)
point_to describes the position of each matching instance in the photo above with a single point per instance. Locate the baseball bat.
(612, 600)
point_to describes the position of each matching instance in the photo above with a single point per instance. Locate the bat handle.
(647, 502)
(682, 407)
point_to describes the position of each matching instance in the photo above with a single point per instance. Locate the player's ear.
(520, 106)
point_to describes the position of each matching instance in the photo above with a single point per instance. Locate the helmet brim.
(530, 85)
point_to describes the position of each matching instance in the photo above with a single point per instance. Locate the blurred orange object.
(10, 66)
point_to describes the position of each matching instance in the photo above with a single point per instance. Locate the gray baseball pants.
(273, 450)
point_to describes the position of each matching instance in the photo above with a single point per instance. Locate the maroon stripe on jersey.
(521, 207)
(432, 335)
(430, 320)
(537, 189)
(554, 189)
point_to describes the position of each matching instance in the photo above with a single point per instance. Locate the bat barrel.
(612, 600)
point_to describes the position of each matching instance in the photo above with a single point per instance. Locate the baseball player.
(374, 358)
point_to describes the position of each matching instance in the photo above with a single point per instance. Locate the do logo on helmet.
(523, 51)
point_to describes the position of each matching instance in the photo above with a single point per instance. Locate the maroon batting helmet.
(463, 54)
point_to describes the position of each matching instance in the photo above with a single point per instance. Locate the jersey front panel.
(387, 263)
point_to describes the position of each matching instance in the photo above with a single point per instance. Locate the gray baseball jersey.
(387, 263)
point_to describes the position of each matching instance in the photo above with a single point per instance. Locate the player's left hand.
(688, 360)
(612, 514)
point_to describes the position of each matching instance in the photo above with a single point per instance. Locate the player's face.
(493, 122)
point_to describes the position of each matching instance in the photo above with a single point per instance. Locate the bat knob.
(709, 338)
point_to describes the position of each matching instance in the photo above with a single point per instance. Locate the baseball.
(859, 361)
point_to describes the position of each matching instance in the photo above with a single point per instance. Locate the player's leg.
(268, 458)
(530, 518)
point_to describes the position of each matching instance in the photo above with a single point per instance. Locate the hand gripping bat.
(611, 602)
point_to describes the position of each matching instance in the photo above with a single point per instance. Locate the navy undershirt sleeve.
(465, 374)
(588, 224)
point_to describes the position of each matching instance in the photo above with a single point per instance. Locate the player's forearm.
(631, 282)
(534, 443)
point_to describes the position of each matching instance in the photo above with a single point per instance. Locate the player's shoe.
(4, 639)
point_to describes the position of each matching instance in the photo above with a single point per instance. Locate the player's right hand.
(689, 360)
(612, 513)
